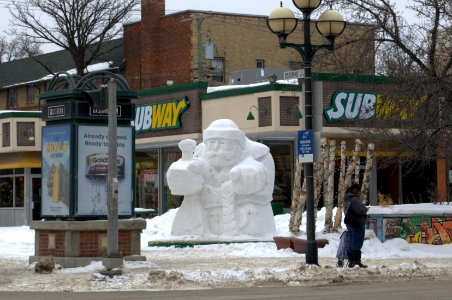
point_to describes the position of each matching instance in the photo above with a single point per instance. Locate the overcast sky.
(255, 7)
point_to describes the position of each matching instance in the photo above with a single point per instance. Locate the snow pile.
(223, 265)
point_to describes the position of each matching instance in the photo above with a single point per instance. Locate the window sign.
(56, 167)
(93, 170)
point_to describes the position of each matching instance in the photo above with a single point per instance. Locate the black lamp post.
(330, 24)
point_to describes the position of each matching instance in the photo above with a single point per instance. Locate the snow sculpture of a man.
(227, 183)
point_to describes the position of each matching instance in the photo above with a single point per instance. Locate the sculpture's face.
(223, 153)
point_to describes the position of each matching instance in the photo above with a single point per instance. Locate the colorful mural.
(419, 229)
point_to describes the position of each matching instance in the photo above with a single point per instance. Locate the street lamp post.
(330, 24)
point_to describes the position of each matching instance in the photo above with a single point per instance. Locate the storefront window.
(25, 134)
(19, 192)
(12, 188)
(6, 137)
(170, 201)
(6, 172)
(283, 155)
(147, 180)
(6, 191)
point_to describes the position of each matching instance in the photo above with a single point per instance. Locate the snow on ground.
(231, 265)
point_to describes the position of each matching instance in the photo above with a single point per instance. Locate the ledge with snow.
(424, 223)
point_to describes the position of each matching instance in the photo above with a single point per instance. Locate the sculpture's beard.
(222, 159)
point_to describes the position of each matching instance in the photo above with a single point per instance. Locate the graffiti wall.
(422, 229)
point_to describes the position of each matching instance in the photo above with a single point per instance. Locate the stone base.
(75, 262)
(111, 263)
(77, 243)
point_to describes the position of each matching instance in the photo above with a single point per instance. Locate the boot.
(357, 259)
(351, 262)
(340, 263)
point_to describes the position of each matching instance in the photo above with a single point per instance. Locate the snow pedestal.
(427, 227)
(77, 243)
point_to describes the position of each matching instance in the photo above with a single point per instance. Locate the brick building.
(192, 46)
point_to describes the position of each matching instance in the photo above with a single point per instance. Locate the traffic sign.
(305, 146)
(295, 74)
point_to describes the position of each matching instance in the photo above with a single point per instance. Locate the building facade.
(20, 167)
(275, 124)
(183, 111)
(173, 61)
(191, 46)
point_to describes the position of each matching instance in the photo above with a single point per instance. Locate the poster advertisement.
(92, 163)
(55, 170)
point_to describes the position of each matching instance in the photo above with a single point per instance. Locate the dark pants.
(356, 238)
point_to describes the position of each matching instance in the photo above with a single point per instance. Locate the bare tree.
(17, 48)
(3, 48)
(78, 26)
(413, 46)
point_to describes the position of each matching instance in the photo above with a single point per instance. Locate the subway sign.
(158, 116)
(352, 105)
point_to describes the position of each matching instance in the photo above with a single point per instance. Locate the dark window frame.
(218, 70)
(12, 98)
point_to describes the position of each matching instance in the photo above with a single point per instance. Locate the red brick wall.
(44, 243)
(151, 13)
(132, 53)
(175, 47)
(90, 247)
(125, 242)
(89, 243)
(158, 48)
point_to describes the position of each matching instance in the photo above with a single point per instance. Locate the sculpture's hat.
(224, 129)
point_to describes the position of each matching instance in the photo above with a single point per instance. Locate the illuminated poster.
(92, 153)
(55, 170)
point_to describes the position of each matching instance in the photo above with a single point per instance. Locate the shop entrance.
(36, 196)
(12, 189)
(283, 155)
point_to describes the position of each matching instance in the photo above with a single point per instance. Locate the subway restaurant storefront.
(270, 114)
(267, 113)
(165, 116)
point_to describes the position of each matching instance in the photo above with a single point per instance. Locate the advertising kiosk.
(75, 167)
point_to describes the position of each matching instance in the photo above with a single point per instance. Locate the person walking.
(355, 220)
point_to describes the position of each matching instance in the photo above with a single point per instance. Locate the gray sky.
(254, 7)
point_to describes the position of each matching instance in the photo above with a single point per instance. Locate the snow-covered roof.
(232, 87)
(91, 68)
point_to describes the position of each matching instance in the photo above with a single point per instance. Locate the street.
(415, 289)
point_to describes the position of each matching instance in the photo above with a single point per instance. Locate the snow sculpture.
(227, 183)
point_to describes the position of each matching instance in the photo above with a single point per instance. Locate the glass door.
(36, 196)
(283, 155)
